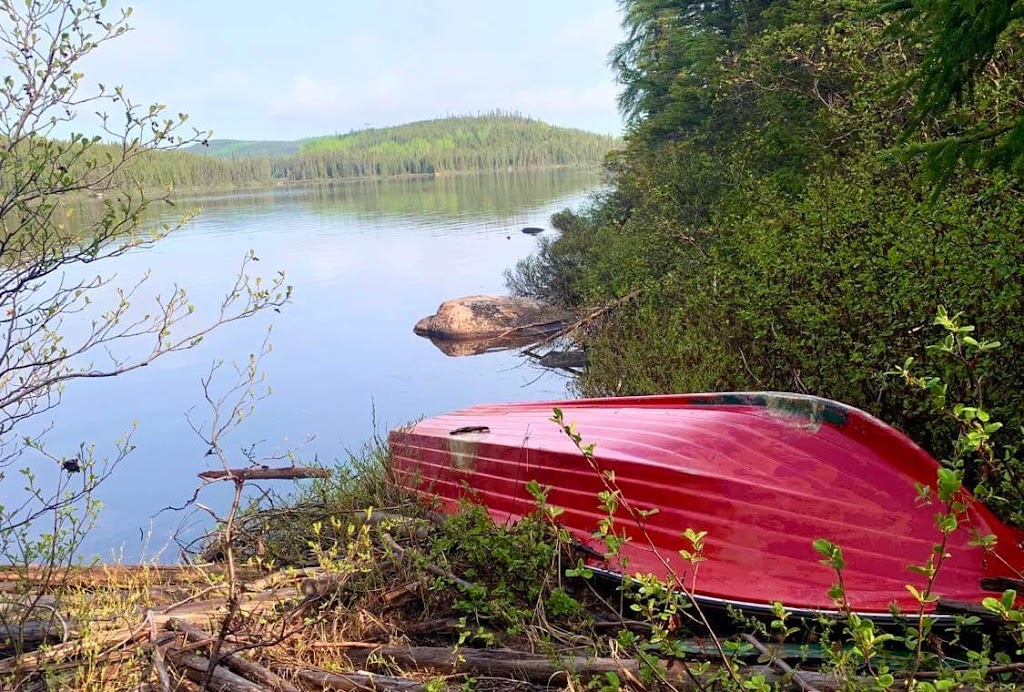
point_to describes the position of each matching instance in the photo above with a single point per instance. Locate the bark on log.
(38, 659)
(352, 682)
(542, 670)
(323, 585)
(101, 575)
(249, 669)
(222, 680)
(33, 633)
(287, 473)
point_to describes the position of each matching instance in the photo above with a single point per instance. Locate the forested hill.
(245, 149)
(480, 143)
(491, 142)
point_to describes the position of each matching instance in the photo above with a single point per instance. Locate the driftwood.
(242, 666)
(323, 585)
(32, 633)
(543, 670)
(352, 682)
(570, 331)
(222, 679)
(261, 474)
(100, 576)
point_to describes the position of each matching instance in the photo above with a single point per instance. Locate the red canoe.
(763, 474)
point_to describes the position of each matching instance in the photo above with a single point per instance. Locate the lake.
(367, 260)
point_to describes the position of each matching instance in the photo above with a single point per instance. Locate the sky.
(266, 69)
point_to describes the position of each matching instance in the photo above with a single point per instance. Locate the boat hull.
(763, 474)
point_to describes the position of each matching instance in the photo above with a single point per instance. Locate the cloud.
(567, 99)
(155, 38)
(601, 28)
(308, 97)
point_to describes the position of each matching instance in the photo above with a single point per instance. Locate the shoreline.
(174, 192)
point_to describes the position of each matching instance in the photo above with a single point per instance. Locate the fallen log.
(285, 576)
(544, 670)
(324, 585)
(32, 633)
(160, 666)
(221, 680)
(98, 641)
(251, 670)
(204, 611)
(101, 575)
(779, 663)
(352, 682)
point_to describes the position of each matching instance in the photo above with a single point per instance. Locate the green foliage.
(486, 143)
(492, 142)
(980, 452)
(775, 230)
(971, 57)
(244, 149)
(320, 513)
(515, 572)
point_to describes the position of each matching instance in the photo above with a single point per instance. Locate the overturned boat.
(764, 474)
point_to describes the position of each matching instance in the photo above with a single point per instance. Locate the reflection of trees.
(456, 196)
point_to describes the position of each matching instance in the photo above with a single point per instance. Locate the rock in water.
(474, 317)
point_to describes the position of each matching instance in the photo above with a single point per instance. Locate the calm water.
(367, 260)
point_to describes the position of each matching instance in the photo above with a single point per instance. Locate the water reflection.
(479, 346)
(367, 260)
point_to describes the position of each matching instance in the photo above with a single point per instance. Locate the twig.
(783, 667)
(287, 473)
(583, 321)
(161, 669)
(433, 569)
(353, 682)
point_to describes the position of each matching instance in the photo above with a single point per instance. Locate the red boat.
(763, 474)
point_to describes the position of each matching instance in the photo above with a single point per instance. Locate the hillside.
(496, 141)
(245, 149)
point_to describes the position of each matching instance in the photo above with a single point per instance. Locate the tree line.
(493, 142)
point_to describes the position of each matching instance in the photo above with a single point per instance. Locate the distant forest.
(492, 142)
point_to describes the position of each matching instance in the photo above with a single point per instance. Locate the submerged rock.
(487, 316)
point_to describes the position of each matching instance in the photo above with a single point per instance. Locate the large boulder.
(476, 317)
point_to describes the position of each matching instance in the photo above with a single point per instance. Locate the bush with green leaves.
(776, 218)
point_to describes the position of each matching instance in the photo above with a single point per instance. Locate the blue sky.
(277, 70)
